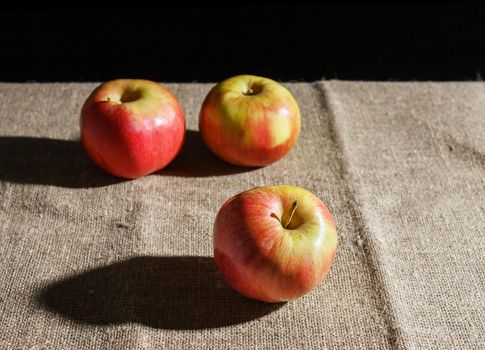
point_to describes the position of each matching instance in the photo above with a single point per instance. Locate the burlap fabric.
(88, 261)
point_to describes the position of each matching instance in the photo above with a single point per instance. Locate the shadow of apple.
(182, 292)
(44, 161)
(196, 160)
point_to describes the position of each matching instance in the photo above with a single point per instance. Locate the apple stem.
(293, 208)
(249, 92)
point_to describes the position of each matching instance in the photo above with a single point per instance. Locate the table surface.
(91, 261)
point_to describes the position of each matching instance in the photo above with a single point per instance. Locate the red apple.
(249, 120)
(131, 128)
(274, 243)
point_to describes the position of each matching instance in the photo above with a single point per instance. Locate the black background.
(421, 41)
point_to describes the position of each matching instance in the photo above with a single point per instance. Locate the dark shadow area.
(45, 161)
(64, 163)
(196, 160)
(184, 43)
(162, 292)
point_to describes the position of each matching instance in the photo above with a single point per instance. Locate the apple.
(132, 127)
(274, 243)
(249, 120)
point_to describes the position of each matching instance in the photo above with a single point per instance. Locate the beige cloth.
(88, 261)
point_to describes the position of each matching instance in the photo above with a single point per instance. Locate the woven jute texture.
(89, 261)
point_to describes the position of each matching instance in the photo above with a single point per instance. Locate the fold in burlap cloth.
(88, 261)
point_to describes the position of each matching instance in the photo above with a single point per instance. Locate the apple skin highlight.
(131, 128)
(249, 120)
(261, 259)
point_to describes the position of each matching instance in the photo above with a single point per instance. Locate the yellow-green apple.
(132, 127)
(274, 243)
(249, 120)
